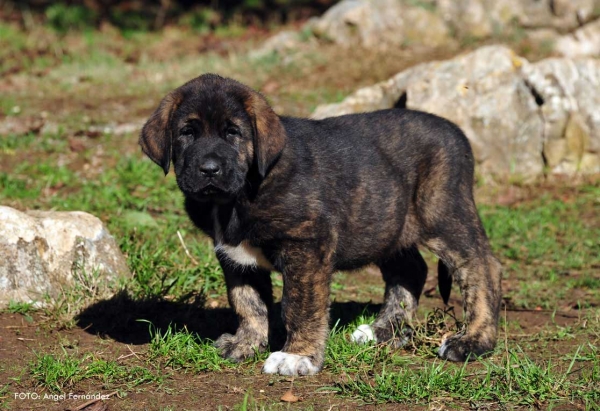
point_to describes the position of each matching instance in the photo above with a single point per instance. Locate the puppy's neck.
(226, 225)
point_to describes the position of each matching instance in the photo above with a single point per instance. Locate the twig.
(122, 357)
(90, 402)
(132, 352)
(187, 252)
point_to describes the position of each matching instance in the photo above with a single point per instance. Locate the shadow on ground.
(126, 320)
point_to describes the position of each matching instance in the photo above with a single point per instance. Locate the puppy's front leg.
(305, 311)
(250, 294)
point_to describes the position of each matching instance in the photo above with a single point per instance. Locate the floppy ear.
(156, 138)
(269, 134)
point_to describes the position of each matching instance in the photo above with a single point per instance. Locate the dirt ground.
(110, 337)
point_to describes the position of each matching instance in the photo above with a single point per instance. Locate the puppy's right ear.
(156, 138)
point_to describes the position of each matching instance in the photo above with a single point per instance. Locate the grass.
(516, 379)
(369, 373)
(184, 351)
(546, 243)
(57, 373)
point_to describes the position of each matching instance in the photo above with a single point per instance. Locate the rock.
(569, 89)
(483, 93)
(584, 42)
(280, 43)
(515, 114)
(381, 24)
(468, 18)
(44, 252)
(485, 18)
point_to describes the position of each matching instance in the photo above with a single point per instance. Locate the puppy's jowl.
(307, 198)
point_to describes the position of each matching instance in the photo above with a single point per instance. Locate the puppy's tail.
(444, 281)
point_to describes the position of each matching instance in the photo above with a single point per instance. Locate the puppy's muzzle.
(210, 168)
(207, 171)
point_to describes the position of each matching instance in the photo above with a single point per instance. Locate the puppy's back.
(406, 140)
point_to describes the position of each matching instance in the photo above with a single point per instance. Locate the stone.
(572, 24)
(468, 18)
(574, 146)
(381, 24)
(583, 42)
(483, 92)
(522, 119)
(44, 252)
(570, 91)
(281, 43)
(485, 18)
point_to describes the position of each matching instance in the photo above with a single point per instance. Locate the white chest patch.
(243, 254)
(246, 255)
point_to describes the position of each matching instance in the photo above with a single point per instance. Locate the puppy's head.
(215, 130)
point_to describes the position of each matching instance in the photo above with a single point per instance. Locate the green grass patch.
(59, 372)
(16, 307)
(514, 378)
(549, 247)
(184, 350)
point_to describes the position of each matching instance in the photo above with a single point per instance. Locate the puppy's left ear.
(156, 138)
(269, 134)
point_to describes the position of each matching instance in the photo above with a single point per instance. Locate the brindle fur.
(319, 196)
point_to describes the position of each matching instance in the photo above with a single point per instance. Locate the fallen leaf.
(289, 397)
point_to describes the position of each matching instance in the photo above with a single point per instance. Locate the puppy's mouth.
(209, 192)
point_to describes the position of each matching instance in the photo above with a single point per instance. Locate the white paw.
(289, 364)
(363, 334)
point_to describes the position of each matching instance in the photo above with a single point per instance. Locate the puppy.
(308, 198)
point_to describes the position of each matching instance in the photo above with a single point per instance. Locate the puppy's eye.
(186, 132)
(232, 131)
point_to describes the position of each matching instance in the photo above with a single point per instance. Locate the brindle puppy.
(307, 198)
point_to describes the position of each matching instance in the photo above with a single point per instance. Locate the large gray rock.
(45, 252)
(570, 89)
(571, 24)
(284, 42)
(381, 23)
(485, 18)
(582, 42)
(509, 109)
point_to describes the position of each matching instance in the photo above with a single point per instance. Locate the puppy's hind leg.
(478, 274)
(250, 294)
(404, 275)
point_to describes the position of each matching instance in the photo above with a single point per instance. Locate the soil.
(109, 330)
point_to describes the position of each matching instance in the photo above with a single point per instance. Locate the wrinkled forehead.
(212, 102)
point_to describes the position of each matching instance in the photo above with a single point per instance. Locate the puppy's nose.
(210, 168)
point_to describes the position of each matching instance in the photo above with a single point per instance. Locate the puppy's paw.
(363, 334)
(461, 348)
(394, 337)
(238, 348)
(284, 363)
